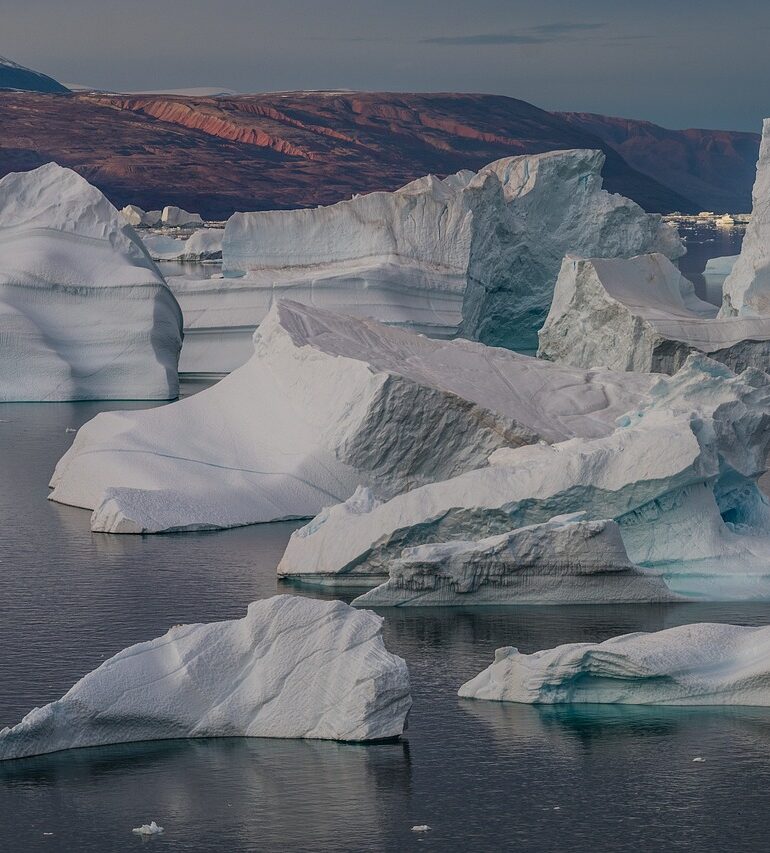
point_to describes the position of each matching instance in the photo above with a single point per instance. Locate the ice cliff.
(641, 314)
(566, 559)
(746, 289)
(476, 253)
(700, 664)
(678, 475)
(326, 403)
(84, 312)
(291, 668)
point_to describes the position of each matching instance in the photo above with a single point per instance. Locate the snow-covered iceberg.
(642, 314)
(204, 244)
(476, 253)
(746, 290)
(678, 475)
(177, 217)
(700, 664)
(326, 403)
(137, 217)
(291, 668)
(84, 312)
(564, 560)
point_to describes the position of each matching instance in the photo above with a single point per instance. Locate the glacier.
(642, 314)
(475, 254)
(565, 559)
(678, 475)
(327, 403)
(84, 312)
(746, 290)
(291, 668)
(698, 664)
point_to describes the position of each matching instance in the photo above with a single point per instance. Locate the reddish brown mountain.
(714, 168)
(218, 155)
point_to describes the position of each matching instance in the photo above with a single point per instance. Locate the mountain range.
(219, 154)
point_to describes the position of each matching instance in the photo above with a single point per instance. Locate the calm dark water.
(484, 776)
(704, 242)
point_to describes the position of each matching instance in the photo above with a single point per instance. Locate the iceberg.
(746, 290)
(138, 217)
(291, 668)
(204, 244)
(326, 403)
(145, 829)
(84, 312)
(476, 254)
(177, 217)
(642, 314)
(678, 475)
(717, 270)
(564, 560)
(700, 664)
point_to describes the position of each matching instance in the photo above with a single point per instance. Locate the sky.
(679, 63)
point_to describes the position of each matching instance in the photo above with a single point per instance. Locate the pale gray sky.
(679, 62)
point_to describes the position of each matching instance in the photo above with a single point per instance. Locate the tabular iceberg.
(84, 312)
(746, 290)
(291, 668)
(564, 560)
(176, 217)
(700, 664)
(678, 476)
(717, 270)
(476, 253)
(326, 403)
(642, 314)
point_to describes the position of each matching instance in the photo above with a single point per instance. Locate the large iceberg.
(746, 290)
(564, 560)
(84, 312)
(476, 253)
(204, 244)
(642, 314)
(678, 475)
(138, 217)
(700, 664)
(327, 403)
(177, 217)
(291, 668)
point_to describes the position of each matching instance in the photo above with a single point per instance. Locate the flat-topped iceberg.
(642, 314)
(479, 251)
(177, 216)
(291, 668)
(746, 290)
(327, 403)
(84, 312)
(678, 476)
(564, 560)
(700, 664)
(204, 244)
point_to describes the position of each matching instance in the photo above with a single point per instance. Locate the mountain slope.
(251, 152)
(14, 76)
(714, 168)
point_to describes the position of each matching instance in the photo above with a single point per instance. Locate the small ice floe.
(70, 429)
(148, 829)
(698, 758)
(421, 827)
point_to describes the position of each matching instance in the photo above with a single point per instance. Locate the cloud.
(541, 34)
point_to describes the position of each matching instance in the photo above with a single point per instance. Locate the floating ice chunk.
(136, 216)
(421, 827)
(564, 560)
(84, 312)
(176, 216)
(205, 244)
(717, 270)
(291, 668)
(700, 664)
(327, 403)
(148, 829)
(641, 314)
(678, 476)
(746, 289)
(480, 252)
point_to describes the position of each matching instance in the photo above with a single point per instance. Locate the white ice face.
(641, 314)
(700, 664)
(84, 312)
(747, 288)
(291, 668)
